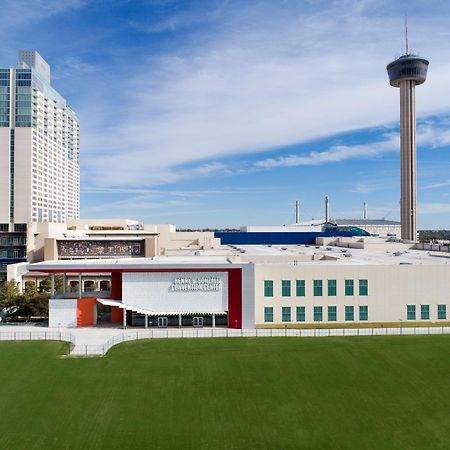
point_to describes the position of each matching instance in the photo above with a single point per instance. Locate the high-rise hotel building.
(39, 154)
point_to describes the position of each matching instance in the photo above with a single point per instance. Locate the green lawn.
(267, 393)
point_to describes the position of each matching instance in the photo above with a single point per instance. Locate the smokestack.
(365, 211)
(327, 209)
(297, 212)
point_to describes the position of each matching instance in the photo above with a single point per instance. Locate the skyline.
(230, 113)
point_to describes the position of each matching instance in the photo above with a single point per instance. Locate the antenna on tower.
(406, 35)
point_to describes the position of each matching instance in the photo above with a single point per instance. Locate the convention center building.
(336, 281)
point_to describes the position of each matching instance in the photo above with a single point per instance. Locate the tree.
(46, 284)
(9, 293)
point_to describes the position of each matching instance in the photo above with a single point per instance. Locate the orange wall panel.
(116, 314)
(85, 312)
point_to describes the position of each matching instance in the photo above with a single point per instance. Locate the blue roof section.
(274, 238)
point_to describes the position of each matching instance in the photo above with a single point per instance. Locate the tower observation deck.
(405, 73)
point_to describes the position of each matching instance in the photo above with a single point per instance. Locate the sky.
(222, 113)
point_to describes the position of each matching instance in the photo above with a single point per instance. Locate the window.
(300, 313)
(318, 316)
(349, 313)
(268, 288)
(300, 288)
(332, 314)
(424, 312)
(332, 288)
(286, 313)
(268, 314)
(410, 312)
(363, 313)
(442, 312)
(349, 288)
(285, 288)
(317, 288)
(363, 287)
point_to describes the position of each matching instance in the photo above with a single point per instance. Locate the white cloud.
(336, 153)
(266, 78)
(434, 208)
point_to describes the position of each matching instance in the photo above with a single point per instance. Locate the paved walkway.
(96, 341)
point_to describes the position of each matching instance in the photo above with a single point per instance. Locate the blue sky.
(222, 113)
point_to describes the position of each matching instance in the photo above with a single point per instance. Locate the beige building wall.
(22, 175)
(4, 175)
(391, 289)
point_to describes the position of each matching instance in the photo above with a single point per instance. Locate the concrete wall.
(62, 313)
(391, 288)
(22, 174)
(4, 175)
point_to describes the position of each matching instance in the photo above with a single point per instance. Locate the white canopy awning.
(119, 304)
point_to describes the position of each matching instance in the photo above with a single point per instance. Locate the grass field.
(267, 393)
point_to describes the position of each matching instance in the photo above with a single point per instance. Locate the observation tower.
(405, 73)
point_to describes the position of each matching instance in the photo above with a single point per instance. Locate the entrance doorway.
(103, 313)
(163, 322)
(197, 322)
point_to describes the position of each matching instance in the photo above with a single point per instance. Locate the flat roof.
(129, 264)
(376, 251)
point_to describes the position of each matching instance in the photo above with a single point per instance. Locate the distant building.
(379, 227)
(39, 155)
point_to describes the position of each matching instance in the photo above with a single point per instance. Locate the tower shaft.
(408, 159)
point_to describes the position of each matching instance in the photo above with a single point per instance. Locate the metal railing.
(182, 333)
(38, 336)
(126, 336)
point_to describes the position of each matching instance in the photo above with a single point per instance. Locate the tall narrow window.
(300, 288)
(318, 315)
(424, 312)
(300, 312)
(285, 288)
(332, 314)
(363, 287)
(363, 313)
(268, 314)
(411, 312)
(349, 287)
(268, 288)
(286, 313)
(332, 288)
(442, 312)
(349, 313)
(317, 288)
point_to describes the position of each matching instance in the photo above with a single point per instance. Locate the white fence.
(127, 335)
(38, 336)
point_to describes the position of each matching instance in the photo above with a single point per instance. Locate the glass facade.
(23, 103)
(363, 287)
(332, 314)
(349, 313)
(349, 288)
(268, 288)
(318, 288)
(300, 313)
(285, 288)
(286, 314)
(300, 288)
(363, 313)
(410, 312)
(4, 97)
(442, 312)
(332, 288)
(268, 314)
(424, 312)
(318, 314)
